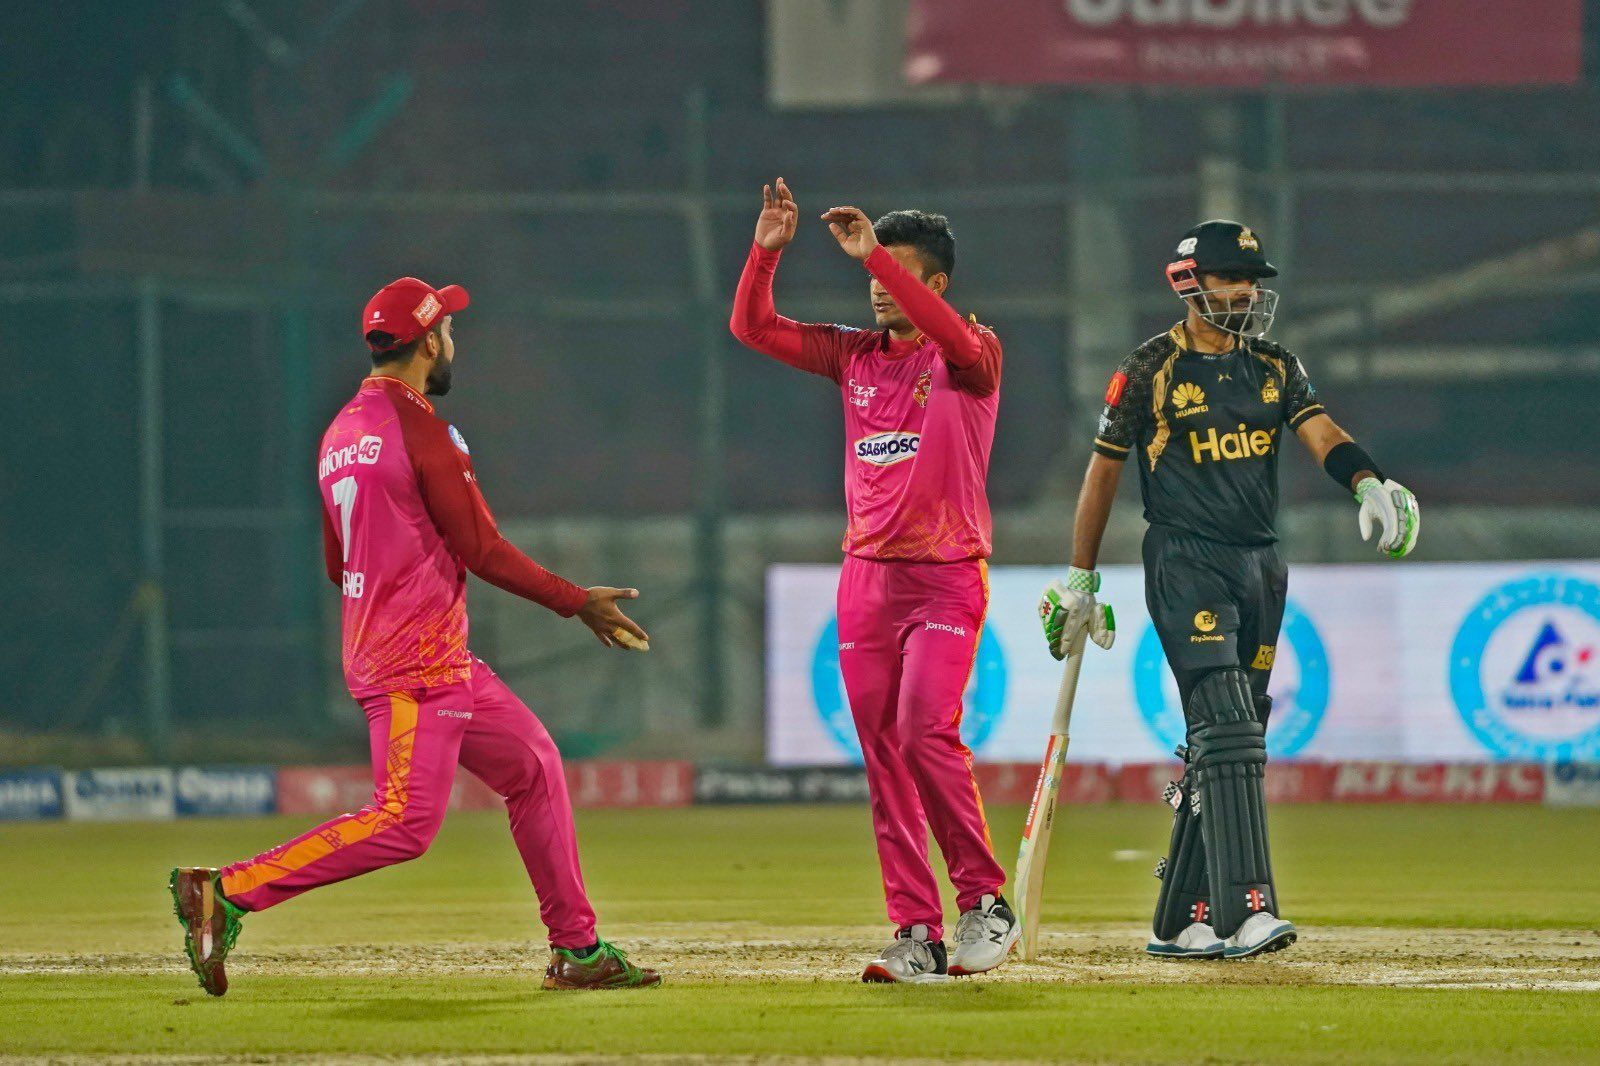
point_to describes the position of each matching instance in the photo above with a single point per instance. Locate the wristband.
(1347, 459)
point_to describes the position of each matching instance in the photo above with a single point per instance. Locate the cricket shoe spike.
(911, 958)
(985, 935)
(1261, 933)
(1196, 941)
(210, 923)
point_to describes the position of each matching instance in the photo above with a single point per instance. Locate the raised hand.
(779, 216)
(852, 228)
(602, 615)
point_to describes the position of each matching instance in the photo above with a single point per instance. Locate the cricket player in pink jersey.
(920, 396)
(403, 521)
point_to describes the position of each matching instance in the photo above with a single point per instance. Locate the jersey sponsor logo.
(940, 627)
(459, 440)
(861, 395)
(1205, 621)
(445, 712)
(923, 388)
(1243, 443)
(1265, 656)
(1118, 382)
(886, 449)
(1189, 399)
(427, 310)
(364, 451)
(1525, 669)
(1269, 391)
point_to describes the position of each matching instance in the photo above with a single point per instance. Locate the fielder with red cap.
(403, 521)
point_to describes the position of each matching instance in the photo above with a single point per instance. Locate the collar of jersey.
(893, 349)
(1181, 339)
(421, 399)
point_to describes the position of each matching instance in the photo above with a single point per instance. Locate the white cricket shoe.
(1197, 941)
(985, 935)
(911, 958)
(1261, 932)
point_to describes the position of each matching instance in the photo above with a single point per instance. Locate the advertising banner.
(133, 794)
(1247, 43)
(225, 791)
(30, 795)
(1410, 662)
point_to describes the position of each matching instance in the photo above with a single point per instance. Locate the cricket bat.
(1034, 851)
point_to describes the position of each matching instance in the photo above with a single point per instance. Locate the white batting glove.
(1392, 508)
(1067, 607)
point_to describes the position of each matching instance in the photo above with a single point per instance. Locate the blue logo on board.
(982, 704)
(1299, 704)
(1525, 669)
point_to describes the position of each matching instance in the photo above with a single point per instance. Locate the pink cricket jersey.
(919, 415)
(403, 522)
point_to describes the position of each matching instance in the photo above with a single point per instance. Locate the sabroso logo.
(1525, 669)
(1300, 686)
(982, 704)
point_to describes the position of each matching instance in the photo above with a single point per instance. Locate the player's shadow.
(409, 1009)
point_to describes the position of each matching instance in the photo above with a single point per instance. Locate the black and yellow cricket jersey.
(1206, 430)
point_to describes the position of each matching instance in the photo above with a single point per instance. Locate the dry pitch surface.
(1428, 935)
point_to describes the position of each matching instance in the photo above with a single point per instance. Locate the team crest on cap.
(1248, 241)
(427, 310)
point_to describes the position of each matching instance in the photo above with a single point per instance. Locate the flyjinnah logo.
(1525, 669)
(1300, 687)
(982, 704)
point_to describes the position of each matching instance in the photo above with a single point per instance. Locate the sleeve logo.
(1114, 388)
(459, 440)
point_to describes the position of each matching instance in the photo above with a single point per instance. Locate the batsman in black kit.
(1202, 410)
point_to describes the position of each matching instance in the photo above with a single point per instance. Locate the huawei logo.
(1186, 394)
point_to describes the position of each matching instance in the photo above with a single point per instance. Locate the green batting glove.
(1392, 509)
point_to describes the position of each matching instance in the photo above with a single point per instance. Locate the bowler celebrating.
(920, 394)
(1201, 409)
(403, 521)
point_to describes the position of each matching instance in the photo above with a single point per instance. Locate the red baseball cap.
(405, 309)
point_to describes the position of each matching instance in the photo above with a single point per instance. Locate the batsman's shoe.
(911, 958)
(1261, 932)
(985, 935)
(1197, 941)
(210, 923)
(608, 967)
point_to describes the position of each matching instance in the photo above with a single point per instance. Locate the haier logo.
(1241, 444)
(1227, 14)
(886, 449)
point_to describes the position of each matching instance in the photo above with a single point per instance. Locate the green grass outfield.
(1431, 934)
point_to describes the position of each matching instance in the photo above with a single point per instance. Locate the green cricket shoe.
(210, 923)
(608, 967)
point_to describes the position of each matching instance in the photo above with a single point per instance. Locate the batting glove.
(1392, 508)
(1068, 607)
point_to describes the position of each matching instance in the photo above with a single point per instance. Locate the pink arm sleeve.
(460, 513)
(757, 324)
(973, 352)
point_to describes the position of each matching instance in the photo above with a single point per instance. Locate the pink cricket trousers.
(418, 738)
(908, 637)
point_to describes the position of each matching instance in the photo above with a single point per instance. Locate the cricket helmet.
(1231, 249)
